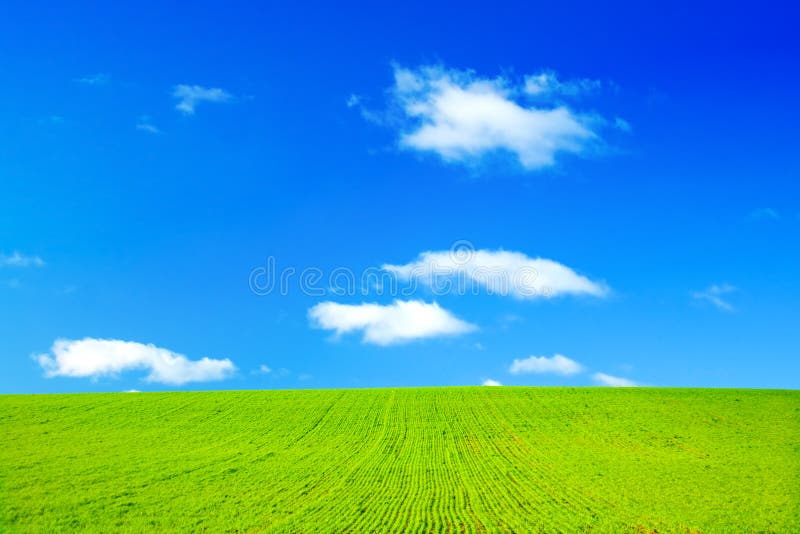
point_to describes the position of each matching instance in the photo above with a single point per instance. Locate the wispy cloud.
(714, 294)
(355, 101)
(613, 381)
(263, 370)
(463, 117)
(53, 120)
(622, 124)
(94, 358)
(499, 272)
(94, 79)
(148, 128)
(547, 83)
(189, 96)
(557, 364)
(764, 214)
(16, 259)
(491, 382)
(399, 322)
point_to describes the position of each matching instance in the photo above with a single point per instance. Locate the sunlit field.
(423, 460)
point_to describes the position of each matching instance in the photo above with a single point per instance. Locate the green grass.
(433, 459)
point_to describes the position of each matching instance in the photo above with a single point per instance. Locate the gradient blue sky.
(148, 220)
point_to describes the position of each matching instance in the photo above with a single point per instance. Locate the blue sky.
(151, 158)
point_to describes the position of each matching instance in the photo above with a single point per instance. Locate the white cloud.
(547, 83)
(19, 260)
(463, 117)
(557, 364)
(399, 322)
(491, 382)
(613, 381)
(714, 294)
(499, 272)
(762, 214)
(52, 119)
(93, 358)
(622, 124)
(147, 127)
(94, 79)
(191, 95)
(264, 369)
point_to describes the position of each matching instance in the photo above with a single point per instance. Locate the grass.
(422, 460)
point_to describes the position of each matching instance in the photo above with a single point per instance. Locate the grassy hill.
(431, 459)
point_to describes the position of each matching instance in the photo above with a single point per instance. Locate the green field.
(423, 460)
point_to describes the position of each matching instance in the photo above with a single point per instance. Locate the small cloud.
(622, 124)
(131, 391)
(17, 259)
(479, 346)
(263, 370)
(266, 370)
(764, 214)
(52, 119)
(94, 79)
(557, 364)
(714, 294)
(399, 322)
(491, 382)
(148, 128)
(304, 377)
(191, 95)
(509, 319)
(355, 101)
(94, 358)
(547, 83)
(613, 381)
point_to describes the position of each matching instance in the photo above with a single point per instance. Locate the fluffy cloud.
(190, 95)
(499, 272)
(462, 117)
(491, 382)
(93, 358)
(558, 364)
(613, 381)
(714, 294)
(399, 322)
(19, 260)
